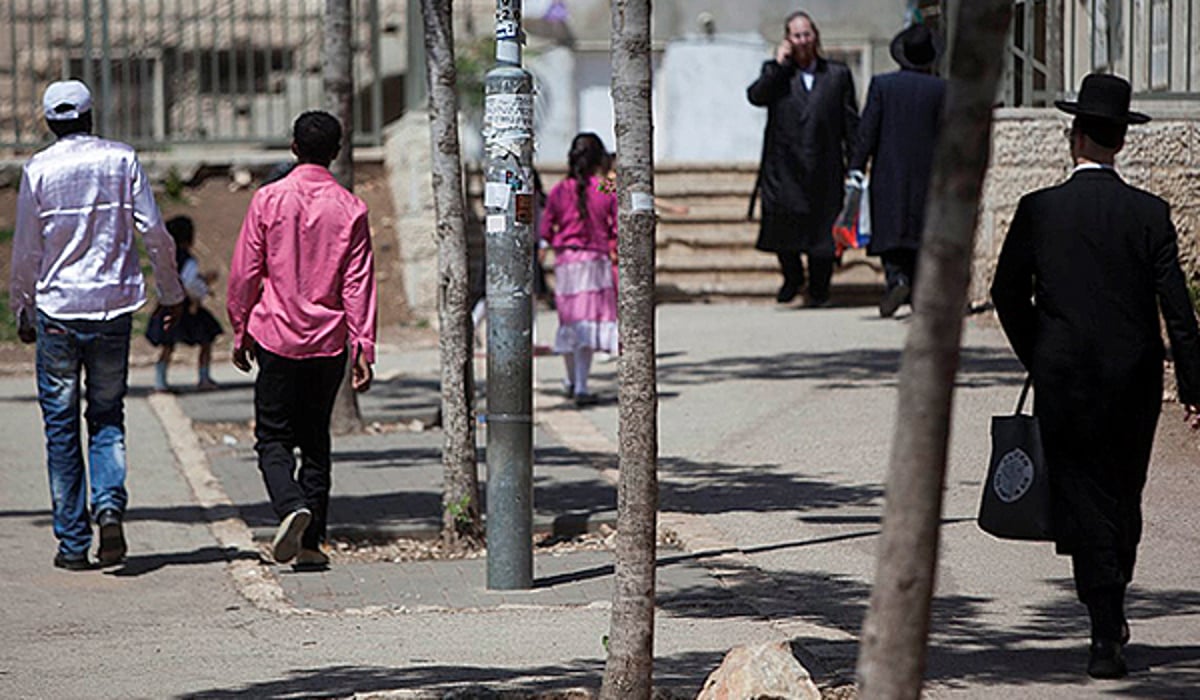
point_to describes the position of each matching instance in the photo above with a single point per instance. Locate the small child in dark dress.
(197, 326)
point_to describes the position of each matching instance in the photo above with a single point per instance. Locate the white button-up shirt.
(74, 255)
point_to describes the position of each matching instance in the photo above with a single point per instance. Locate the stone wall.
(409, 166)
(1029, 151)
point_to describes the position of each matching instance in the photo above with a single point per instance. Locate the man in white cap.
(76, 282)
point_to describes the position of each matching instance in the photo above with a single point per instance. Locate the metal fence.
(1054, 43)
(166, 72)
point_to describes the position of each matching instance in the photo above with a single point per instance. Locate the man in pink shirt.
(302, 292)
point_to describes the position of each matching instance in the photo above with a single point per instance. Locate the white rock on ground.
(760, 671)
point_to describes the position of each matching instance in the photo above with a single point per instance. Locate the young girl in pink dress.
(580, 223)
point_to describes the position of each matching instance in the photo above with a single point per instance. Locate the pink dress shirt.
(302, 280)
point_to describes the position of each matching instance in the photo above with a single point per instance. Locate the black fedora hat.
(1103, 96)
(917, 47)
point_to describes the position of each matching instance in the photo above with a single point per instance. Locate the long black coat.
(897, 134)
(805, 148)
(1081, 277)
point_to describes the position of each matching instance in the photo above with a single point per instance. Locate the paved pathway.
(775, 428)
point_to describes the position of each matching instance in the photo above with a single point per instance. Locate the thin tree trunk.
(892, 657)
(461, 521)
(629, 669)
(337, 76)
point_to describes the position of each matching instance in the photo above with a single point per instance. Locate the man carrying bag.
(1084, 269)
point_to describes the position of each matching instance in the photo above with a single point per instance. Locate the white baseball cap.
(66, 100)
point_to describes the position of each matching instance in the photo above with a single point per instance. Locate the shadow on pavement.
(681, 675)
(967, 647)
(140, 564)
(855, 369)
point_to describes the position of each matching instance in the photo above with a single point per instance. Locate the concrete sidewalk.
(775, 427)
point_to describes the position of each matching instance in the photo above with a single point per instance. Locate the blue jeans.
(98, 350)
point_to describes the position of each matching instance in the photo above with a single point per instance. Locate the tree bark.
(892, 657)
(461, 520)
(338, 79)
(628, 672)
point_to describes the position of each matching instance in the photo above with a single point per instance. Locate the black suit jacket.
(1082, 275)
(898, 132)
(806, 145)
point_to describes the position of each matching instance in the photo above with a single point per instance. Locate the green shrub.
(8, 324)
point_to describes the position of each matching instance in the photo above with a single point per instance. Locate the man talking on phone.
(301, 304)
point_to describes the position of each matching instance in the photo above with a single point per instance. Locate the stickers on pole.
(496, 195)
(524, 213)
(497, 223)
(508, 112)
(641, 201)
(507, 29)
(508, 51)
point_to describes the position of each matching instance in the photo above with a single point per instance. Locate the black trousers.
(293, 401)
(900, 266)
(820, 271)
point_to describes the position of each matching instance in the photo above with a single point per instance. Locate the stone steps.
(709, 252)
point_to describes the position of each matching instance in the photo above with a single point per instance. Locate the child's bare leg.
(204, 363)
(160, 367)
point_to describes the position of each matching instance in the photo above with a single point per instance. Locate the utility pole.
(508, 198)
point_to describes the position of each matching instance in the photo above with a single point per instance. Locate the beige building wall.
(1029, 152)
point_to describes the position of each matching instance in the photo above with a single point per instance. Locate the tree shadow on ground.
(716, 487)
(851, 369)
(972, 641)
(680, 676)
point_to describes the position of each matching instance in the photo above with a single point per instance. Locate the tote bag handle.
(1024, 393)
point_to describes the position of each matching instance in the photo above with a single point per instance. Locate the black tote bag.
(1016, 495)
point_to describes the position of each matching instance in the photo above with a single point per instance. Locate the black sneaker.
(586, 399)
(1105, 660)
(894, 299)
(112, 538)
(286, 544)
(72, 563)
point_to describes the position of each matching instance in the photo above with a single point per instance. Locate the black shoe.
(112, 538)
(1105, 660)
(815, 303)
(586, 400)
(787, 292)
(286, 544)
(76, 563)
(894, 299)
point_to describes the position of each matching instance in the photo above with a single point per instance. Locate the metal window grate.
(180, 71)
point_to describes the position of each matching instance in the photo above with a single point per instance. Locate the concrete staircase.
(708, 253)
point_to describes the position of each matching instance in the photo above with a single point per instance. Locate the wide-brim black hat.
(1103, 96)
(917, 47)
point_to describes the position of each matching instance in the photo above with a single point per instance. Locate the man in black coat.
(897, 134)
(1082, 274)
(812, 115)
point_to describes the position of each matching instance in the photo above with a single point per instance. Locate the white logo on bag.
(1014, 475)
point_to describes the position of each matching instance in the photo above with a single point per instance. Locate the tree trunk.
(892, 656)
(461, 521)
(337, 76)
(628, 672)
